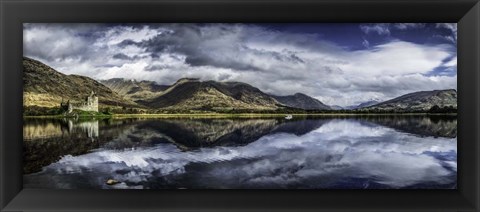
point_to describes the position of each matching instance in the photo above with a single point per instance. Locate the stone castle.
(89, 104)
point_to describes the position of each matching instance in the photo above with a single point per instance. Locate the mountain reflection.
(194, 133)
(48, 142)
(435, 125)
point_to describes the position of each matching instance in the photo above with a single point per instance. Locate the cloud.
(395, 58)
(405, 26)
(365, 43)
(121, 56)
(277, 62)
(117, 35)
(452, 27)
(386, 28)
(380, 29)
(54, 43)
(451, 63)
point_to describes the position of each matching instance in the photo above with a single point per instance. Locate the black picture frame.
(14, 13)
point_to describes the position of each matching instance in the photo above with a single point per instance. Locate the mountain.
(302, 101)
(336, 107)
(135, 90)
(193, 94)
(245, 93)
(362, 105)
(419, 101)
(45, 87)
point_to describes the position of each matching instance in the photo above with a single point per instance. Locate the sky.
(338, 63)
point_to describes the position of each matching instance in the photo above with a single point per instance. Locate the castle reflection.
(49, 128)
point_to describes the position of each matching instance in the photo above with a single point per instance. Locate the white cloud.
(365, 43)
(380, 29)
(404, 26)
(386, 28)
(53, 44)
(395, 58)
(451, 63)
(452, 27)
(118, 34)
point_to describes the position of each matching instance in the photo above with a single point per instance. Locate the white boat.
(288, 117)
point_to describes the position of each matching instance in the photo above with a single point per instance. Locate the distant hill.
(419, 101)
(362, 105)
(43, 86)
(134, 90)
(192, 94)
(336, 107)
(302, 101)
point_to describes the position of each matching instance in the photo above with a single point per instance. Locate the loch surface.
(349, 152)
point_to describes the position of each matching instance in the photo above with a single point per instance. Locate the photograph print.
(240, 106)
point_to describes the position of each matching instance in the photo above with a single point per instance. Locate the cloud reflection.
(339, 154)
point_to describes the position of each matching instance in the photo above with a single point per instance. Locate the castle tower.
(70, 107)
(92, 102)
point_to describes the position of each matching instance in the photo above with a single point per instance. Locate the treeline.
(437, 109)
(39, 111)
(60, 111)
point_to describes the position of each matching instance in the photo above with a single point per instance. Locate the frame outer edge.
(2, 108)
(477, 48)
(4, 200)
(475, 12)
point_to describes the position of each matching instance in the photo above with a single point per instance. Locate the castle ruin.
(89, 104)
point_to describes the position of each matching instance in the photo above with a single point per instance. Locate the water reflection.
(333, 152)
(437, 126)
(49, 128)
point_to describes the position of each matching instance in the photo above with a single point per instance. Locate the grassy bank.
(238, 115)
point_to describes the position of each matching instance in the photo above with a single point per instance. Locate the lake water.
(351, 152)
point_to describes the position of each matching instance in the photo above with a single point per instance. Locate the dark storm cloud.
(127, 42)
(61, 41)
(122, 57)
(156, 67)
(209, 45)
(204, 61)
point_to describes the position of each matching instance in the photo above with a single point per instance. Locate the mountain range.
(362, 105)
(46, 87)
(191, 94)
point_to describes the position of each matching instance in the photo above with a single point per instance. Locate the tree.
(434, 109)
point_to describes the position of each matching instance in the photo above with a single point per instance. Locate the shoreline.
(240, 115)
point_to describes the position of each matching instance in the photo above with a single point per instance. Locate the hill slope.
(302, 101)
(135, 90)
(192, 94)
(45, 87)
(419, 101)
(362, 105)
